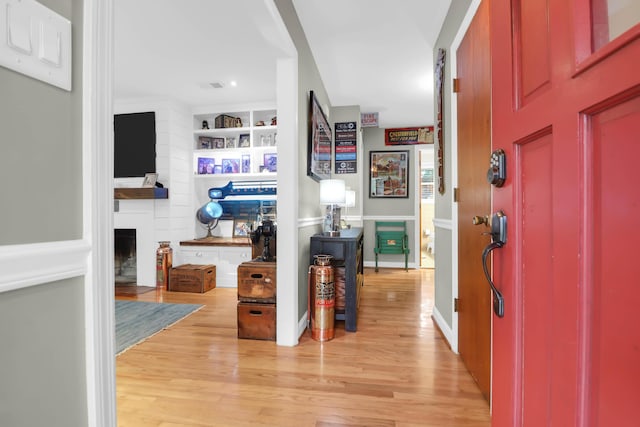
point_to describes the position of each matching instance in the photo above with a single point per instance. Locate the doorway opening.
(427, 200)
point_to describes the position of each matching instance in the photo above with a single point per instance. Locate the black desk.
(346, 250)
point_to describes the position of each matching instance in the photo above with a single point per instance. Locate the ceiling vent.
(216, 85)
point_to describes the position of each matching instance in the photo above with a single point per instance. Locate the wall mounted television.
(134, 144)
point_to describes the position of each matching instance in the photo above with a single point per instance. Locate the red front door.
(566, 110)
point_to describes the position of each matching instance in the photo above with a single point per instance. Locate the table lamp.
(350, 201)
(333, 195)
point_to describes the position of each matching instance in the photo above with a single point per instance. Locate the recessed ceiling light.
(233, 83)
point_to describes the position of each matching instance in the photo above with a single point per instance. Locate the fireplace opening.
(125, 257)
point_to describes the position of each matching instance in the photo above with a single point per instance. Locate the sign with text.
(346, 137)
(369, 120)
(409, 136)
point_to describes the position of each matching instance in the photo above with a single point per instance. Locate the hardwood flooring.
(396, 370)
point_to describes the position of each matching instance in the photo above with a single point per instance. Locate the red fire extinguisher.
(322, 298)
(164, 259)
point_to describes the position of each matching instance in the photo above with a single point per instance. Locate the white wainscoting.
(39, 263)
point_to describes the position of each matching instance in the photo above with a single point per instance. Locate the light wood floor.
(396, 370)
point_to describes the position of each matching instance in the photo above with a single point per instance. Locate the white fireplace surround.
(140, 218)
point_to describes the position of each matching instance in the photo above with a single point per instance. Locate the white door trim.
(464, 26)
(97, 124)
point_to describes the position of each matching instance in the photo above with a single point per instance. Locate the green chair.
(391, 238)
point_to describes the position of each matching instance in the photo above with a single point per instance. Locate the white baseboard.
(302, 324)
(446, 330)
(390, 264)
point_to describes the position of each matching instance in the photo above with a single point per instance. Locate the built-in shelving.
(246, 151)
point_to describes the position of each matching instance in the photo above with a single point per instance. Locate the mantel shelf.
(140, 193)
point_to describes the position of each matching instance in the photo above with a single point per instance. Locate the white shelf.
(227, 176)
(221, 131)
(254, 154)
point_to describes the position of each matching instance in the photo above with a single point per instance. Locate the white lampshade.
(350, 200)
(332, 192)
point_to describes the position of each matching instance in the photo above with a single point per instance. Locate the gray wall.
(444, 203)
(308, 189)
(41, 133)
(42, 354)
(42, 364)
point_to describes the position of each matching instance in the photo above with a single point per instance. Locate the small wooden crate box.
(192, 278)
(257, 282)
(257, 321)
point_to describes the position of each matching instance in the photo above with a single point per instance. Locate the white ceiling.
(372, 53)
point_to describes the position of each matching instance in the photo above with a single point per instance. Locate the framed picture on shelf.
(246, 163)
(244, 140)
(218, 142)
(241, 227)
(230, 166)
(230, 143)
(388, 174)
(150, 180)
(271, 162)
(205, 142)
(217, 169)
(206, 165)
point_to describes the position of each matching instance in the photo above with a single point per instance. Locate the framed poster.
(346, 153)
(319, 144)
(388, 174)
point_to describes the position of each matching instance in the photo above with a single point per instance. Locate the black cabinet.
(346, 251)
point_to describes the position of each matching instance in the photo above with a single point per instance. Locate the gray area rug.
(138, 320)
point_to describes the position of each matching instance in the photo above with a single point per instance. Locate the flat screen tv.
(134, 144)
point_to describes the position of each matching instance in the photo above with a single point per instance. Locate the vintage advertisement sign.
(369, 120)
(408, 136)
(346, 136)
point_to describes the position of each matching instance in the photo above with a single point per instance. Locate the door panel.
(474, 149)
(613, 289)
(537, 286)
(532, 59)
(566, 351)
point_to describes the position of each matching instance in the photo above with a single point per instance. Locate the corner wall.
(309, 213)
(43, 354)
(446, 259)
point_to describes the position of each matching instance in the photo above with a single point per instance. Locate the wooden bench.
(391, 238)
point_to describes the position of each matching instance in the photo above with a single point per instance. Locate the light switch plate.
(35, 41)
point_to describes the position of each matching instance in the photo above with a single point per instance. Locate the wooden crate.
(257, 321)
(257, 282)
(192, 278)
